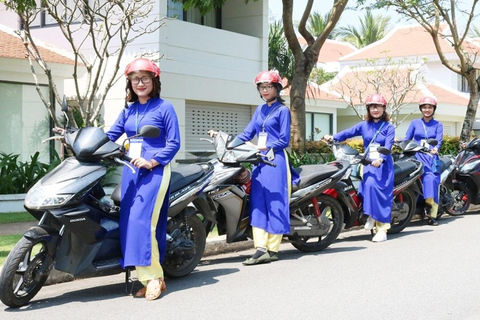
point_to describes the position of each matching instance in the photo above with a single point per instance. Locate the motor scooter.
(78, 229)
(405, 190)
(316, 219)
(466, 177)
(449, 200)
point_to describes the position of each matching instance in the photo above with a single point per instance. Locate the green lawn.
(6, 245)
(11, 217)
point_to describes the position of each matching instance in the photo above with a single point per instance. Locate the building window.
(24, 122)
(211, 19)
(317, 125)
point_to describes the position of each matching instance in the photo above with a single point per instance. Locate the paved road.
(422, 273)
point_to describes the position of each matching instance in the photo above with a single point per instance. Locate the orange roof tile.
(12, 47)
(346, 80)
(332, 50)
(405, 41)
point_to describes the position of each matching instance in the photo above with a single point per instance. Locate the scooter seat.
(310, 174)
(181, 176)
(445, 163)
(185, 175)
(402, 169)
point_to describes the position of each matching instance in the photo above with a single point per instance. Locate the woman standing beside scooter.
(145, 193)
(421, 130)
(376, 188)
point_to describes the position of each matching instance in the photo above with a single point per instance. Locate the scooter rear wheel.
(405, 200)
(461, 200)
(180, 267)
(332, 210)
(25, 271)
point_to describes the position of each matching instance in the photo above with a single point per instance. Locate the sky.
(349, 16)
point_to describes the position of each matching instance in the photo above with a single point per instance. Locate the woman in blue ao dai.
(145, 193)
(421, 130)
(376, 188)
(269, 198)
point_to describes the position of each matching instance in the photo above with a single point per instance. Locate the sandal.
(154, 289)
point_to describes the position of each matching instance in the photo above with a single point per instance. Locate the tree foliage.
(280, 56)
(305, 59)
(372, 28)
(97, 32)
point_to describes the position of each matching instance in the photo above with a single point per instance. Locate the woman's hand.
(143, 163)
(212, 133)
(434, 151)
(327, 138)
(377, 163)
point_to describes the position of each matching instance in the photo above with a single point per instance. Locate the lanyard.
(375, 135)
(266, 118)
(137, 121)
(425, 129)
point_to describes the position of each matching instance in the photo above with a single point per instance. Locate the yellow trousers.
(263, 239)
(433, 207)
(155, 270)
(382, 226)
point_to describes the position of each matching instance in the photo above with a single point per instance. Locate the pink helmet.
(142, 64)
(428, 100)
(377, 98)
(268, 76)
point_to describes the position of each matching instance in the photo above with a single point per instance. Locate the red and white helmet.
(428, 100)
(376, 98)
(142, 64)
(268, 76)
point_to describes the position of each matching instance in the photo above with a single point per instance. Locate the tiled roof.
(12, 47)
(405, 41)
(442, 93)
(332, 50)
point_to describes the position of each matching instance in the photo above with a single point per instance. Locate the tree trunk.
(471, 108)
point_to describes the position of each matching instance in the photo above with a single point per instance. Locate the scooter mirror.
(432, 142)
(64, 104)
(149, 131)
(384, 151)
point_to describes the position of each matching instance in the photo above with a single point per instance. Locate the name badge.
(262, 139)
(424, 143)
(373, 152)
(135, 150)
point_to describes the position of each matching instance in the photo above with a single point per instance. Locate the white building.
(207, 71)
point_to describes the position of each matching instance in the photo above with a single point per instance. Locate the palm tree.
(373, 28)
(317, 23)
(475, 32)
(280, 57)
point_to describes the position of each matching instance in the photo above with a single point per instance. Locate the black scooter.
(407, 185)
(78, 231)
(315, 219)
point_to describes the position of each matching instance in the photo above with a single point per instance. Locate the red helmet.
(377, 98)
(268, 76)
(428, 100)
(142, 64)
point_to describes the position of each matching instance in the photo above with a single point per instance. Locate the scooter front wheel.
(25, 271)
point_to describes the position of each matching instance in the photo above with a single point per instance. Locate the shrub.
(450, 145)
(18, 177)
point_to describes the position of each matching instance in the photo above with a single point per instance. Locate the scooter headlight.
(49, 196)
(229, 157)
